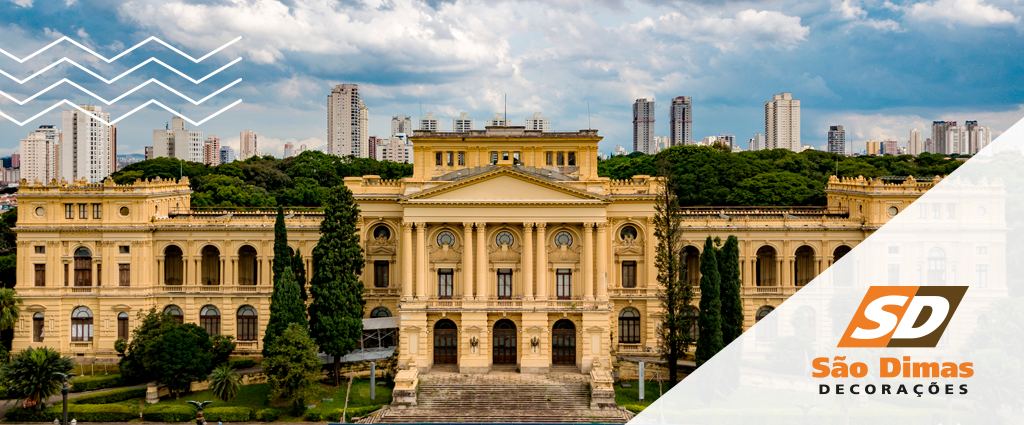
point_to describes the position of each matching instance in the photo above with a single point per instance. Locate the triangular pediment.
(505, 185)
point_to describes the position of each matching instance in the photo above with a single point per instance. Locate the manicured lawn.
(252, 396)
(359, 397)
(630, 396)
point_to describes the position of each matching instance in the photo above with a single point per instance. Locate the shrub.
(110, 396)
(169, 413)
(314, 415)
(95, 382)
(353, 412)
(635, 408)
(17, 414)
(267, 415)
(81, 412)
(227, 414)
(242, 363)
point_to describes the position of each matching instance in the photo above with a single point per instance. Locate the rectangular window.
(893, 272)
(451, 159)
(922, 211)
(548, 158)
(122, 327)
(981, 273)
(83, 212)
(936, 210)
(563, 284)
(65, 275)
(40, 274)
(123, 249)
(572, 159)
(561, 159)
(629, 274)
(99, 274)
(69, 211)
(515, 157)
(445, 283)
(494, 157)
(894, 250)
(981, 250)
(438, 159)
(40, 249)
(950, 210)
(37, 327)
(124, 275)
(462, 158)
(504, 156)
(380, 273)
(96, 211)
(504, 284)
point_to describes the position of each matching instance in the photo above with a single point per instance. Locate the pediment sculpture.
(381, 245)
(564, 253)
(504, 253)
(444, 252)
(628, 245)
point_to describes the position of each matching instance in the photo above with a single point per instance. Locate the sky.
(879, 68)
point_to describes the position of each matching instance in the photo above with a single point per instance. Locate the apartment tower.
(782, 122)
(643, 126)
(343, 120)
(681, 121)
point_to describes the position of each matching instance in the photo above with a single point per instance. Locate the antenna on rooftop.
(506, 110)
(588, 116)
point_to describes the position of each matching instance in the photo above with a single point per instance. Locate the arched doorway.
(446, 340)
(174, 266)
(210, 266)
(691, 265)
(563, 343)
(803, 272)
(765, 267)
(248, 267)
(505, 342)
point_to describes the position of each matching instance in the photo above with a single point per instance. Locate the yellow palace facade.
(504, 249)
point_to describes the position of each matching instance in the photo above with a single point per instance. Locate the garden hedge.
(267, 415)
(635, 408)
(169, 413)
(81, 412)
(353, 412)
(241, 363)
(95, 382)
(17, 414)
(227, 414)
(112, 396)
(314, 415)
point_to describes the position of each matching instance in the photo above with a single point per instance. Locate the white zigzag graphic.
(194, 81)
(65, 38)
(108, 102)
(151, 101)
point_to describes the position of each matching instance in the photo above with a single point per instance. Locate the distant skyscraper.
(148, 152)
(16, 159)
(939, 129)
(248, 146)
(782, 122)
(619, 150)
(463, 124)
(727, 139)
(956, 139)
(401, 124)
(890, 147)
(429, 123)
(86, 148)
(681, 121)
(176, 141)
(498, 120)
(538, 122)
(757, 142)
(643, 126)
(211, 151)
(39, 154)
(343, 120)
(977, 137)
(227, 155)
(873, 147)
(929, 146)
(374, 141)
(914, 144)
(289, 150)
(364, 131)
(837, 140)
(661, 143)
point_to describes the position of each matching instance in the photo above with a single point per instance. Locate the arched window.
(765, 267)
(628, 233)
(380, 312)
(803, 271)
(81, 324)
(766, 331)
(174, 266)
(382, 232)
(694, 314)
(83, 267)
(504, 238)
(248, 267)
(563, 238)
(936, 267)
(445, 238)
(211, 266)
(209, 319)
(122, 325)
(248, 321)
(691, 265)
(175, 312)
(629, 326)
(37, 327)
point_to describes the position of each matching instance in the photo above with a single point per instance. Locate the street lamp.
(64, 377)
(199, 405)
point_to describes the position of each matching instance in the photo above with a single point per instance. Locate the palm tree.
(224, 382)
(9, 308)
(30, 375)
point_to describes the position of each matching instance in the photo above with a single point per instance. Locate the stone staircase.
(502, 397)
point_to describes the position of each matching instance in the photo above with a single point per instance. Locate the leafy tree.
(223, 346)
(134, 366)
(675, 294)
(285, 308)
(182, 354)
(30, 375)
(293, 366)
(709, 341)
(9, 308)
(732, 305)
(779, 188)
(224, 382)
(336, 314)
(8, 248)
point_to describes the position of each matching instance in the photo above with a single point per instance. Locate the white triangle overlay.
(960, 233)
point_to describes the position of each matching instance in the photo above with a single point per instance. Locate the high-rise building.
(538, 122)
(873, 147)
(429, 123)
(837, 140)
(782, 122)
(16, 159)
(148, 152)
(914, 144)
(643, 126)
(463, 124)
(374, 141)
(498, 120)
(113, 149)
(890, 147)
(343, 121)
(727, 139)
(248, 146)
(929, 146)
(955, 139)
(227, 155)
(289, 150)
(211, 151)
(364, 131)
(395, 149)
(939, 129)
(401, 124)
(756, 143)
(39, 151)
(86, 148)
(619, 150)
(661, 143)
(977, 137)
(176, 141)
(681, 121)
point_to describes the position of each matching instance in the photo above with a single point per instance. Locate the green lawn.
(359, 397)
(630, 396)
(252, 396)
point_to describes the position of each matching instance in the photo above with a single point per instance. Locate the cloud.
(758, 29)
(964, 12)
(851, 11)
(22, 3)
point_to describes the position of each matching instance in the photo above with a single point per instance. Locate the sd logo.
(902, 316)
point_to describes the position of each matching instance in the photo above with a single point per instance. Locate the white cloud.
(759, 29)
(22, 3)
(964, 12)
(851, 11)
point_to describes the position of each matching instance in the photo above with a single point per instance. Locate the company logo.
(902, 316)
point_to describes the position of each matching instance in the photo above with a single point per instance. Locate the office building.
(16, 159)
(978, 137)
(248, 145)
(661, 143)
(890, 147)
(782, 122)
(538, 122)
(837, 140)
(39, 154)
(873, 147)
(914, 145)
(148, 152)
(429, 123)
(211, 151)
(643, 126)
(681, 121)
(344, 109)
(929, 146)
(374, 141)
(939, 130)
(176, 141)
(727, 139)
(401, 124)
(619, 151)
(227, 154)
(289, 150)
(397, 148)
(757, 142)
(463, 124)
(88, 148)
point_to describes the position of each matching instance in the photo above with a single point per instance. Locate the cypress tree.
(675, 293)
(282, 256)
(732, 306)
(336, 314)
(709, 342)
(299, 267)
(285, 308)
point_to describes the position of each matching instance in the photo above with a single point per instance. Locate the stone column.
(779, 266)
(528, 260)
(222, 271)
(542, 262)
(160, 270)
(421, 260)
(407, 260)
(588, 261)
(602, 260)
(481, 261)
(467, 261)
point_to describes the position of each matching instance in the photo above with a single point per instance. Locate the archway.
(504, 342)
(210, 266)
(766, 331)
(446, 342)
(629, 326)
(248, 267)
(691, 265)
(174, 266)
(563, 343)
(803, 269)
(765, 267)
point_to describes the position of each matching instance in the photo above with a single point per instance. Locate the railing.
(81, 346)
(246, 345)
(81, 290)
(573, 304)
(444, 303)
(505, 304)
(382, 292)
(770, 210)
(630, 349)
(121, 291)
(632, 292)
(770, 290)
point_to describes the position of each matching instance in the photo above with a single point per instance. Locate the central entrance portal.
(504, 342)
(563, 343)
(446, 339)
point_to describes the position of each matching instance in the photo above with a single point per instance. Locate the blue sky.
(879, 68)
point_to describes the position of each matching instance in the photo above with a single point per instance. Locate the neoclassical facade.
(503, 248)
